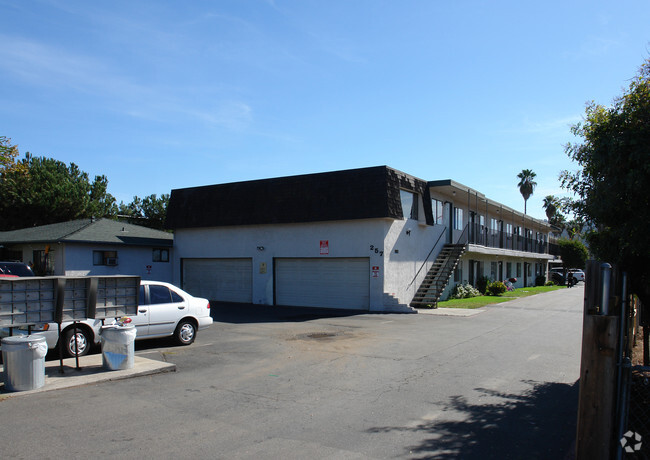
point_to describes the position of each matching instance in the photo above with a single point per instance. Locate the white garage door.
(223, 280)
(331, 283)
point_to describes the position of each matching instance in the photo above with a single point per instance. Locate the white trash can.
(24, 362)
(117, 346)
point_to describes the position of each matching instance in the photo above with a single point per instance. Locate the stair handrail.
(464, 236)
(444, 231)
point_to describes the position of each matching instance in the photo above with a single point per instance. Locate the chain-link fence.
(638, 416)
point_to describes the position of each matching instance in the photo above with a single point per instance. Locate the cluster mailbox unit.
(27, 301)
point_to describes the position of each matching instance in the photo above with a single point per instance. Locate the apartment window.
(160, 255)
(409, 204)
(438, 211)
(518, 269)
(458, 219)
(104, 257)
(494, 225)
(493, 271)
(508, 269)
(509, 229)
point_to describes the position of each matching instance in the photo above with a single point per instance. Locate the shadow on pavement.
(538, 424)
(238, 313)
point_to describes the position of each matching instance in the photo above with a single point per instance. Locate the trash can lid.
(21, 341)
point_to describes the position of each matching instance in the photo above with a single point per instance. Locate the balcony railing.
(483, 236)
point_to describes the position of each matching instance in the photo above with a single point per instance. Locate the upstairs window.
(438, 211)
(409, 204)
(458, 219)
(494, 225)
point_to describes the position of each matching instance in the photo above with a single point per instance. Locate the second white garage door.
(222, 280)
(330, 283)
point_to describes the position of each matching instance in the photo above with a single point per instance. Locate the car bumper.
(204, 322)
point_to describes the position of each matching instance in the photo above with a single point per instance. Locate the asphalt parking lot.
(267, 382)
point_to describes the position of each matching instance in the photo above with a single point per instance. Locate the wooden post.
(598, 375)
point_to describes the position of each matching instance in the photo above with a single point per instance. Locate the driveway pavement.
(267, 382)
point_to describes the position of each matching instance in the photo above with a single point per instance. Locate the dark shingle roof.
(339, 195)
(89, 231)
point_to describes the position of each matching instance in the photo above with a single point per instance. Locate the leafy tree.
(43, 191)
(149, 211)
(574, 253)
(8, 155)
(611, 189)
(526, 184)
(575, 228)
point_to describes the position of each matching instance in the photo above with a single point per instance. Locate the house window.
(160, 255)
(438, 211)
(409, 204)
(104, 257)
(458, 219)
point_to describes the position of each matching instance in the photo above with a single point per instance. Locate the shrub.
(482, 283)
(550, 283)
(540, 280)
(496, 288)
(464, 291)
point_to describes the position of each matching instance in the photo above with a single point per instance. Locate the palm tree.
(550, 206)
(526, 184)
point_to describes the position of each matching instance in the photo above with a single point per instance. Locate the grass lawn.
(476, 302)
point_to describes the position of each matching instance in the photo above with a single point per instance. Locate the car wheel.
(185, 332)
(83, 339)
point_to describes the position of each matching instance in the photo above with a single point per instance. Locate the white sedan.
(163, 310)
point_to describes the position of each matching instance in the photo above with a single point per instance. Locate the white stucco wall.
(406, 253)
(384, 241)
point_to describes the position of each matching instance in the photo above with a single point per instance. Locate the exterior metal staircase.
(437, 278)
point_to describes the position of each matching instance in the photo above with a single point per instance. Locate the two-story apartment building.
(372, 239)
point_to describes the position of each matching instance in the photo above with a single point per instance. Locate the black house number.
(376, 250)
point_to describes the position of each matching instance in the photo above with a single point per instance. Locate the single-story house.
(92, 247)
(373, 239)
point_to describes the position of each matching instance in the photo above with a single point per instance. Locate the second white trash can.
(118, 346)
(24, 362)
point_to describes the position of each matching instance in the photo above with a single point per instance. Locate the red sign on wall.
(324, 247)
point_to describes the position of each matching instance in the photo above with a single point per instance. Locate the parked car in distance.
(163, 310)
(14, 269)
(578, 274)
(557, 275)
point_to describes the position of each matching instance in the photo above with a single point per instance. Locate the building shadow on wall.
(239, 313)
(538, 424)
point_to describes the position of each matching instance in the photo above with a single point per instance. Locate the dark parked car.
(11, 269)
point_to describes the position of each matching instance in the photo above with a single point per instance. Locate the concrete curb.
(91, 371)
(450, 311)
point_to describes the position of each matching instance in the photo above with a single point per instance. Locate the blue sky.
(158, 95)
